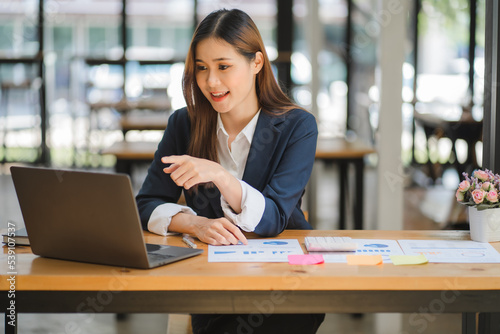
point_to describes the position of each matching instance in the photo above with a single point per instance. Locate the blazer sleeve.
(291, 167)
(158, 188)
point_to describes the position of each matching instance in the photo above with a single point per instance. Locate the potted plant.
(480, 192)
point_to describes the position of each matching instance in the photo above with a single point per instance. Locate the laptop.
(88, 217)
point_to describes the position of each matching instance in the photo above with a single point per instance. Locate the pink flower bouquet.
(480, 190)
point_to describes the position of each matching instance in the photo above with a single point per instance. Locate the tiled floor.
(416, 200)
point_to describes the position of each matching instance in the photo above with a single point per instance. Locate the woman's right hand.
(219, 231)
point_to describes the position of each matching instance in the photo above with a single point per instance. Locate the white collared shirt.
(234, 161)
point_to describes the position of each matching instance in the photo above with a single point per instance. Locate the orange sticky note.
(364, 260)
(305, 259)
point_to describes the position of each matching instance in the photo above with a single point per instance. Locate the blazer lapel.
(264, 143)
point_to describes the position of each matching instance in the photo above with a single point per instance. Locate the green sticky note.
(402, 260)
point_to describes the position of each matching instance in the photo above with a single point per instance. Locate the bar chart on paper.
(385, 248)
(257, 250)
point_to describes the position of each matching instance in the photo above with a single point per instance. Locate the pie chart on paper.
(276, 243)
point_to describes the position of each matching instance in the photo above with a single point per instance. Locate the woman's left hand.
(187, 171)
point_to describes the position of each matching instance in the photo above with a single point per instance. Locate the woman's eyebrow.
(216, 59)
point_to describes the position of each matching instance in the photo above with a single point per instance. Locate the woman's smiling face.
(227, 78)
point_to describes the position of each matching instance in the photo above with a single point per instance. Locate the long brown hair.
(237, 29)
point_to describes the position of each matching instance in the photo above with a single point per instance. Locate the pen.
(189, 241)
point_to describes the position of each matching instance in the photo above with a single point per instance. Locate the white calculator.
(330, 244)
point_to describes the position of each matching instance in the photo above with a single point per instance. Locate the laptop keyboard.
(159, 250)
(152, 248)
(157, 257)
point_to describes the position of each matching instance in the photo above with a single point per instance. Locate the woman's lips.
(219, 96)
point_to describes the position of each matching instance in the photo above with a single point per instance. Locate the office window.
(102, 40)
(159, 29)
(19, 97)
(7, 33)
(63, 39)
(478, 95)
(443, 65)
(18, 28)
(363, 97)
(346, 68)
(58, 72)
(154, 37)
(301, 71)
(262, 12)
(449, 85)
(332, 97)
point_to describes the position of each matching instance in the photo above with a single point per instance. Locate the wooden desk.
(344, 153)
(196, 286)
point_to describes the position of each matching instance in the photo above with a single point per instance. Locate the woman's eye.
(200, 68)
(223, 67)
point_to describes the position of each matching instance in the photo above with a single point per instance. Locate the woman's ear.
(258, 62)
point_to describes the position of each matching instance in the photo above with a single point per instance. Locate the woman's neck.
(235, 122)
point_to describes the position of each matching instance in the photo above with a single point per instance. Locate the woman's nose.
(213, 79)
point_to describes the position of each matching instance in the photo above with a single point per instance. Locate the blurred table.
(156, 121)
(344, 153)
(465, 128)
(129, 153)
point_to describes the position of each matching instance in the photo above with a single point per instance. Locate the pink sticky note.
(364, 260)
(305, 259)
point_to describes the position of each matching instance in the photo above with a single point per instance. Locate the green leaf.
(482, 206)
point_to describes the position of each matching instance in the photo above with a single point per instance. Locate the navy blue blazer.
(279, 165)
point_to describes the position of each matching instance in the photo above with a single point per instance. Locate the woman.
(241, 152)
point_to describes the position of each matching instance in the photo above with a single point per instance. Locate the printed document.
(451, 251)
(385, 248)
(257, 250)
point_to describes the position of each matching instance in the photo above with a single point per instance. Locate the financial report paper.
(257, 250)
(451, 251)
